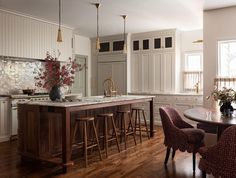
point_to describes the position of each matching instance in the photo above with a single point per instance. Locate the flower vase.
(226, 109)
(55, 93)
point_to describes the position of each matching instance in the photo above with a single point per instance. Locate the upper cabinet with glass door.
(163, 42)
(157, 41)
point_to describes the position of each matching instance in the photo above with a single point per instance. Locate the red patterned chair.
(179, 134)
(220, 159)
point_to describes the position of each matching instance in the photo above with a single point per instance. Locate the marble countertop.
(87, 100)
(155, 93)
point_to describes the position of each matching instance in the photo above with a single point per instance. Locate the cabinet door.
(104, 72)
(116, 70)
(4, 119)
(136, 73)
(168, 42)
(168, 74)
(119, 76)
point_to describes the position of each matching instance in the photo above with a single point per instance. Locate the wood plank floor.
(142, 161)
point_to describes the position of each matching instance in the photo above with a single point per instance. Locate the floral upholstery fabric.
(220, 159)
(178, 133)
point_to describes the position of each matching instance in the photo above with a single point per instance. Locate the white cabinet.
(155, 62)
(26, 37)
(4, 119)
(116, 70)
(180, 102)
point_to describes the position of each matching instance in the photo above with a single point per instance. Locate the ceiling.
(143, 15)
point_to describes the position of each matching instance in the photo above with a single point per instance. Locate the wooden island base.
(45, 127)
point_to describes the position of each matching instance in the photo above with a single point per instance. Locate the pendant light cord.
(59, 14)
(124, 28)
(97, 5)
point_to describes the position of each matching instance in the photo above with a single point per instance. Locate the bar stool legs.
(107, 116)
(124, 130)
(86, 121)
(137, 125)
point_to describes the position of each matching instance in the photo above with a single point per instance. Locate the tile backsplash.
(16, 75)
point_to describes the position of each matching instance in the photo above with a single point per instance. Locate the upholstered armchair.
(179, 134)
(220, 159)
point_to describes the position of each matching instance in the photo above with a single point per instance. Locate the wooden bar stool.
(86, 121)
(107, 116)
(124, 131)
(137, 123)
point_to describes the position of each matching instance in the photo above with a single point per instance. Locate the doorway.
(80, 84)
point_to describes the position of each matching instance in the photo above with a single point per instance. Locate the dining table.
(211, 117)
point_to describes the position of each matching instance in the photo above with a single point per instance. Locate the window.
(226, 64)
(227, 58)
(193, 72)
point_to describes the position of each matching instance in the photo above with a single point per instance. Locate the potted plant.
(54, 75)
(225, 97)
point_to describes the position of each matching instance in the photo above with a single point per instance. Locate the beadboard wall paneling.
(25, 37)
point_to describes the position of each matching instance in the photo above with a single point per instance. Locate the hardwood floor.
(143, 161)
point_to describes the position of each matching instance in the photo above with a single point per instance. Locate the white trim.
(33, 18)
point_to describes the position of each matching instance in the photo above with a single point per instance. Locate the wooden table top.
(214, 117)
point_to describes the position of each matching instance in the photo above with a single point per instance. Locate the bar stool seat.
(124, 131)
(107, 116)
(137, 123)
(86, 121)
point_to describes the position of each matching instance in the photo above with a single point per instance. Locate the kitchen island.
(39, 120)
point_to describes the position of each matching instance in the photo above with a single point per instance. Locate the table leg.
(151, 119)
(66, 146)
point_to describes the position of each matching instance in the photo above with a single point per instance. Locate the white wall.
(187, 38)
(219, 24)
(187, 46)
(82, 46)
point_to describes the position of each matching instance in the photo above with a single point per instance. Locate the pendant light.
(125, 45)
(97, 40)
(59, 38)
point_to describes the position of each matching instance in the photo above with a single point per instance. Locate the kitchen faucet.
(109, 87)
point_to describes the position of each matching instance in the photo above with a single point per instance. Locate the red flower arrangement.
(55, 74)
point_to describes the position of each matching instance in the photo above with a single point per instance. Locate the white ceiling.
(143, 15)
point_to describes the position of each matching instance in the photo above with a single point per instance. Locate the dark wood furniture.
(85, 122)
(109, 116)
(124, 117)
(137, 122)
(38, 120)
(211, 117)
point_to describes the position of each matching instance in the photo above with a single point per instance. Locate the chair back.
(220, 159)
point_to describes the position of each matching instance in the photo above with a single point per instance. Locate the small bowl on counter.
(74, 97)
(28, 91)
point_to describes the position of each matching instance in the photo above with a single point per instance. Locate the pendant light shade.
(59, 37)
(125, 45)
(97, 40)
